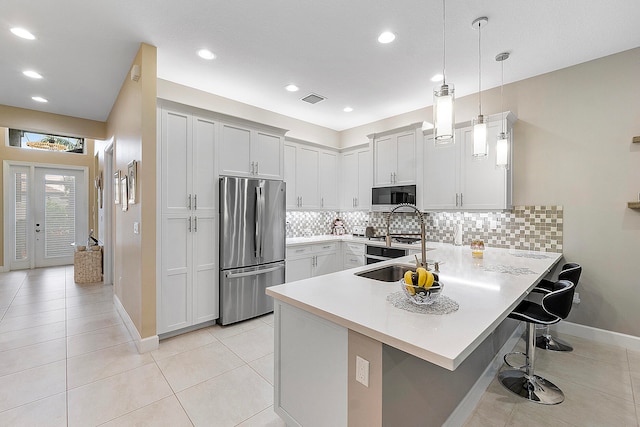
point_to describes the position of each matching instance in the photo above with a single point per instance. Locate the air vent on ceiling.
(312, 98)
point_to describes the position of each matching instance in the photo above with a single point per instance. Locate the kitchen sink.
(388, 273)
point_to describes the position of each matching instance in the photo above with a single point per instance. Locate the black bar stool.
(571, 272)
(554, 306)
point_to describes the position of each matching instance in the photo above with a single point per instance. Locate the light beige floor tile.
(6, 296)
(40, 287)
(94, 366)
(220, 332)
(91, 323)
(20, 359)
(191, 367)
(24, 337)
(36, 307)
(634, 361)
(97, 340)
(50, 412)
(267, 318)
(252, 344)
(47, 272)
(43, 296)
(109, 398)
(227, 399)
(530, 418)
(612, 378)
(495, 406)
(90, 310)
(594, 350)
(266, 418)
(184, 342)
(635, 383)
(264, 367)
(583, 406)
(166, 412)
(28, 386)
(32, 320)
(91, 298)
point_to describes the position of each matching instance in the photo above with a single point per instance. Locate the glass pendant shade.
(480, 148)
(502, 150)
(443, 114)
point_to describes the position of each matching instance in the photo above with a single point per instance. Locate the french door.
(48, 213)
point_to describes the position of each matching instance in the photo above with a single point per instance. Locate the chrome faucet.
(423, 240)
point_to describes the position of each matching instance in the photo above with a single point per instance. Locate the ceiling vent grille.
(312, 98)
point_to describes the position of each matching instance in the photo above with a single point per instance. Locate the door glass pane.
(59, 215)
(21, 209)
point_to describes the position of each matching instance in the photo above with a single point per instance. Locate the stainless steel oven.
(382, 253)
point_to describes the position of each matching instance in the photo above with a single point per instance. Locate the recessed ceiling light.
(21, 32)
(292, 88)
(386, 37)
(347, 109)
(437, 78)
(32, 74)
(39, 99)
(206, 54)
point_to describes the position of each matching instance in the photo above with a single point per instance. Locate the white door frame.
(108, 208)
(81, 235)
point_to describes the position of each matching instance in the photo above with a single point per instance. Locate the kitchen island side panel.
(418, 393)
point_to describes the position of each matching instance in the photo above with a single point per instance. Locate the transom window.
(47, 142)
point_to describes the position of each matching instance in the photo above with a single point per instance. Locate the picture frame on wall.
(125, 193)
(132, 179)
(116, 187)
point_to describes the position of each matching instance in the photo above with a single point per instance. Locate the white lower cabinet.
(305, 261)
(311, 359)
(352, 255)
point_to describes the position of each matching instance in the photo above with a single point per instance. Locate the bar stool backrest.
(571, 272)
(558, 302)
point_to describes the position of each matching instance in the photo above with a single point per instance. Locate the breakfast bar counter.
(326, 317)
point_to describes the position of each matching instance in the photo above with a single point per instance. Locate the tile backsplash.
(524, 227)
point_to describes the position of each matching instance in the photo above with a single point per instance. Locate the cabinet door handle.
(395, 178)
(322, 202)
(195, 224)
(252, 168)
(299, 250)
(301, 201)
(195, 202)
(357, 202)
(456, 200)
(461, 200)
(189, 202)
(189, 225)
(391, 178)
(257, 168)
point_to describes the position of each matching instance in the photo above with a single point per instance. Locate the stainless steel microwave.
(385, 198)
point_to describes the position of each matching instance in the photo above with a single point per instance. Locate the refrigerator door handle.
(259, 221)
(261, 210)
(231, 275)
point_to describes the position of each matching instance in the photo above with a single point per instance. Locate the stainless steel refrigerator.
(252, 245)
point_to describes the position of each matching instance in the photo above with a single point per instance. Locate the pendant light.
(443, 99)
(502, 145)
(480, 147)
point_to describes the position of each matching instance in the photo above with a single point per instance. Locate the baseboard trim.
(144, 345)
(468, 404)
(599, 335)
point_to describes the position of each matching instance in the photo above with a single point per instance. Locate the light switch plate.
(136, 228)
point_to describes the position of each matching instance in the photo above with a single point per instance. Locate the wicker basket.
(87, 266)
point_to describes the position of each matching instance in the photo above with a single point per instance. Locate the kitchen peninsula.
(421, 366)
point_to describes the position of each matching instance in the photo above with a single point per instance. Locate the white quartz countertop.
(486, 290)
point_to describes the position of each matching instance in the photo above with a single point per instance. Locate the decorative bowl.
(421, 296)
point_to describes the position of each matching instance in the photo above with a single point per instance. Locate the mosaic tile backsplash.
(525, 227)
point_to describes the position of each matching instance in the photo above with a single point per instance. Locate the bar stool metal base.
(534, 388)
(549, 342)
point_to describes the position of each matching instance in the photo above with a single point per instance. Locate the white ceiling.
(84, 49)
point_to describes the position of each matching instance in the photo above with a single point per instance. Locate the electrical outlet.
(576, 298)
(362, 371)
(136, 228)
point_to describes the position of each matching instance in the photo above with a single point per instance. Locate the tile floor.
(66, 359)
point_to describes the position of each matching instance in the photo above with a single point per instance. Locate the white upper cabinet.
(356, 179)
(454, 179)
(328, 180)
(311, 175)
(395, 157)
(250, 152)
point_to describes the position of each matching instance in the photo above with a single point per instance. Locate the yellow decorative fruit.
(422, 276)
(430, 280)
(410, 289)
(407, 277)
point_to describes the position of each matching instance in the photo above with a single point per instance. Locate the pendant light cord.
(502, 93)
(479, 69)
(444, 44)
